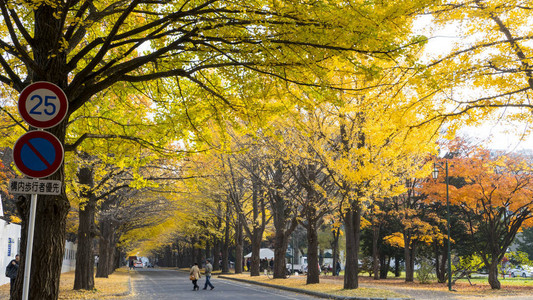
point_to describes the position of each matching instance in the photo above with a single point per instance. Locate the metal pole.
(448, 217)
(29, 247)
(293, 253)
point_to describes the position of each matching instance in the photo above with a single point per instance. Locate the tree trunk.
(409, 253)
(216, 254)
(352, 222)
(352, 218)
(284, 220)
(256, 247)
(111, 260)
(256, 234)
(84, 273)
(493, 275)
(239, 240)
(48, 246)
(52, 210)
(197, 254)
(384, 262)
(105, 248)
(208, 249)
(281, 241)
(48, 241)
(225, 245)
(375, 253)
(312, 252)
(118, 257)
(194, 254)
(397, 260)
(440, 263)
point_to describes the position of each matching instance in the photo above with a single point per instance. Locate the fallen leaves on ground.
(332, 288)
(378, 288)
(114, 287)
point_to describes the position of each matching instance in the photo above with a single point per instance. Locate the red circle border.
(17, 149)
(63, 107)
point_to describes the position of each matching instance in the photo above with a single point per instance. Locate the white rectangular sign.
(34, 186)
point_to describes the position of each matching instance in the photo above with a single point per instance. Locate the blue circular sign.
(38, 154)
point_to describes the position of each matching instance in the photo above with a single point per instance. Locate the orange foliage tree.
(495, 200)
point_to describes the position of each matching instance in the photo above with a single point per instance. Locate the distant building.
(10, 246)
(9, 242)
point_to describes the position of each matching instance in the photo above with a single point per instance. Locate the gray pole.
(448, 217)
(29, 248)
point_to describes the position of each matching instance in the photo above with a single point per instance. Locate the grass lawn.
(105, 288)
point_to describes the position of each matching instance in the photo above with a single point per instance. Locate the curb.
(126, 293)
(301, 291)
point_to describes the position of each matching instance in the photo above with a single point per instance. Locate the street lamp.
(435, 174)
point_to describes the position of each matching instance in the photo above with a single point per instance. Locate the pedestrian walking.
(264, 265)
(194, 276)
(131, 265)
(12, 270)
(208, 270)
(338, 268)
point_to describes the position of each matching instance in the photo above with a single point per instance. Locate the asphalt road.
(159, 284)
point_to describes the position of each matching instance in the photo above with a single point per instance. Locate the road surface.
(160, 284)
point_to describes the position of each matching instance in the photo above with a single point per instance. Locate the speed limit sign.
(43, 104)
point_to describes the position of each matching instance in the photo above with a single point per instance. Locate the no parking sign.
(38, 154)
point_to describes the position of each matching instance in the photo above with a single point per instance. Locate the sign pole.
(29, 247)
(38, 154)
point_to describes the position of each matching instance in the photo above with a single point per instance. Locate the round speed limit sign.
(43, 104)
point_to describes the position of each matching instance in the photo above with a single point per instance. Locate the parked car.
(138, 264)
(522, 271)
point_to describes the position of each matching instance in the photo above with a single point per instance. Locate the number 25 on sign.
(43, 104)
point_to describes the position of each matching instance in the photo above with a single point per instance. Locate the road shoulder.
(309, 292)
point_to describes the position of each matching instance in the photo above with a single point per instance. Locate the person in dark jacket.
(338, 268)
(264, 265)
(11, 271)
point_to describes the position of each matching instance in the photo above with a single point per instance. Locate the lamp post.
(435, 174)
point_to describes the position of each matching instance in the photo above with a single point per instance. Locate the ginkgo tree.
(366, 139)
(111, 146)
(486, 63)
(86, 47)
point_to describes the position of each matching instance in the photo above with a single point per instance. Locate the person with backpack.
(12, 271)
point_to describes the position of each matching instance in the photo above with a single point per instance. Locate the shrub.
(425, 274)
